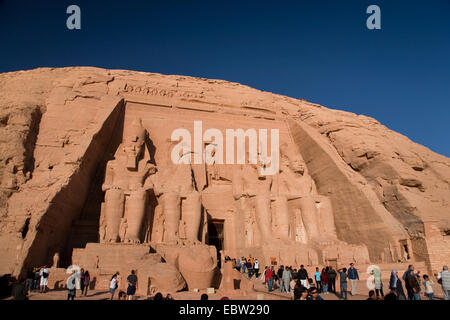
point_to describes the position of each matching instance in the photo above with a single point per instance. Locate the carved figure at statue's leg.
(192, 211)
(310, 217)
(135, 216)
(114, 206)
(102, 229)
(172, 215)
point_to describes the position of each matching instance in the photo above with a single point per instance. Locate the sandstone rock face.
(85, 160)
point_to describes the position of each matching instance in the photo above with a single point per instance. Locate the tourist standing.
(249, 268)
(343, 283)
(71, 286)
(86, 280)
(318, 278)
(427, 283)
(29, 281)
(292, 286)
(113, 285)
(269, 277)
(293, 272)
(444, 281)
(243, 264)
(80, 281)
(280, 278)
(354, 277)
(395, 285)
(331, 279)
(287, 277)
(256, 268)
(407, 286)
(324, 280)
(132, 285)
(414, 284)
(37, 279)
(237, 264)
(378, 283)
(303, 276)
(275, 279)
(393, 280)
(44, 274)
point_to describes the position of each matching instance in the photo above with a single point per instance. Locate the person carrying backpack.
(71, 286)
(44, 279)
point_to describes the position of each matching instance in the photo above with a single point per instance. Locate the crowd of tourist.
(287, 279)
(302, 286)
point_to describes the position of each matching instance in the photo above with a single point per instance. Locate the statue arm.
(109, 176)
(148, 184)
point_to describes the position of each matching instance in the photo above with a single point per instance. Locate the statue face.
(297, 166)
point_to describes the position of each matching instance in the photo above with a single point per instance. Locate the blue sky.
(316, 50)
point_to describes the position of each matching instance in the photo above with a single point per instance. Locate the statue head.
(290, 158)
(134, 142)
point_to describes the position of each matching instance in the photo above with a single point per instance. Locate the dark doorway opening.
(215, 234)
(215, 237)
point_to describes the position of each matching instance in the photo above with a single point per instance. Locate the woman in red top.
(268, 275)
(324, 278)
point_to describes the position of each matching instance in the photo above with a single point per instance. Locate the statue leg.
(282, 212)
(192, 210)
(309, 216)
(172, 215)
(326, 218)
(114, 206)
(135, 215)
(264, 217)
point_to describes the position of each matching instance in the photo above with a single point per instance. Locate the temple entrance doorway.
(216, 236)
(216, 233)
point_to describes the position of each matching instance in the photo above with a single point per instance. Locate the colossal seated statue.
(174, 185)
(293, 182)
(126, 185)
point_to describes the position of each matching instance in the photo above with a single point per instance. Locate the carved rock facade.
(85, 171)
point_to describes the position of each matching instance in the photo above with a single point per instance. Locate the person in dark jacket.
(332, 279)
(29, 281)
(280, 277)
(85, 280)
(303, 276)
(343, 283)
(395, 284)
(414, 284)
(354, 277)
(405, 278)
(249, 268)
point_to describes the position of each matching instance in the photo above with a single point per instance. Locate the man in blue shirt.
(354, 277)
